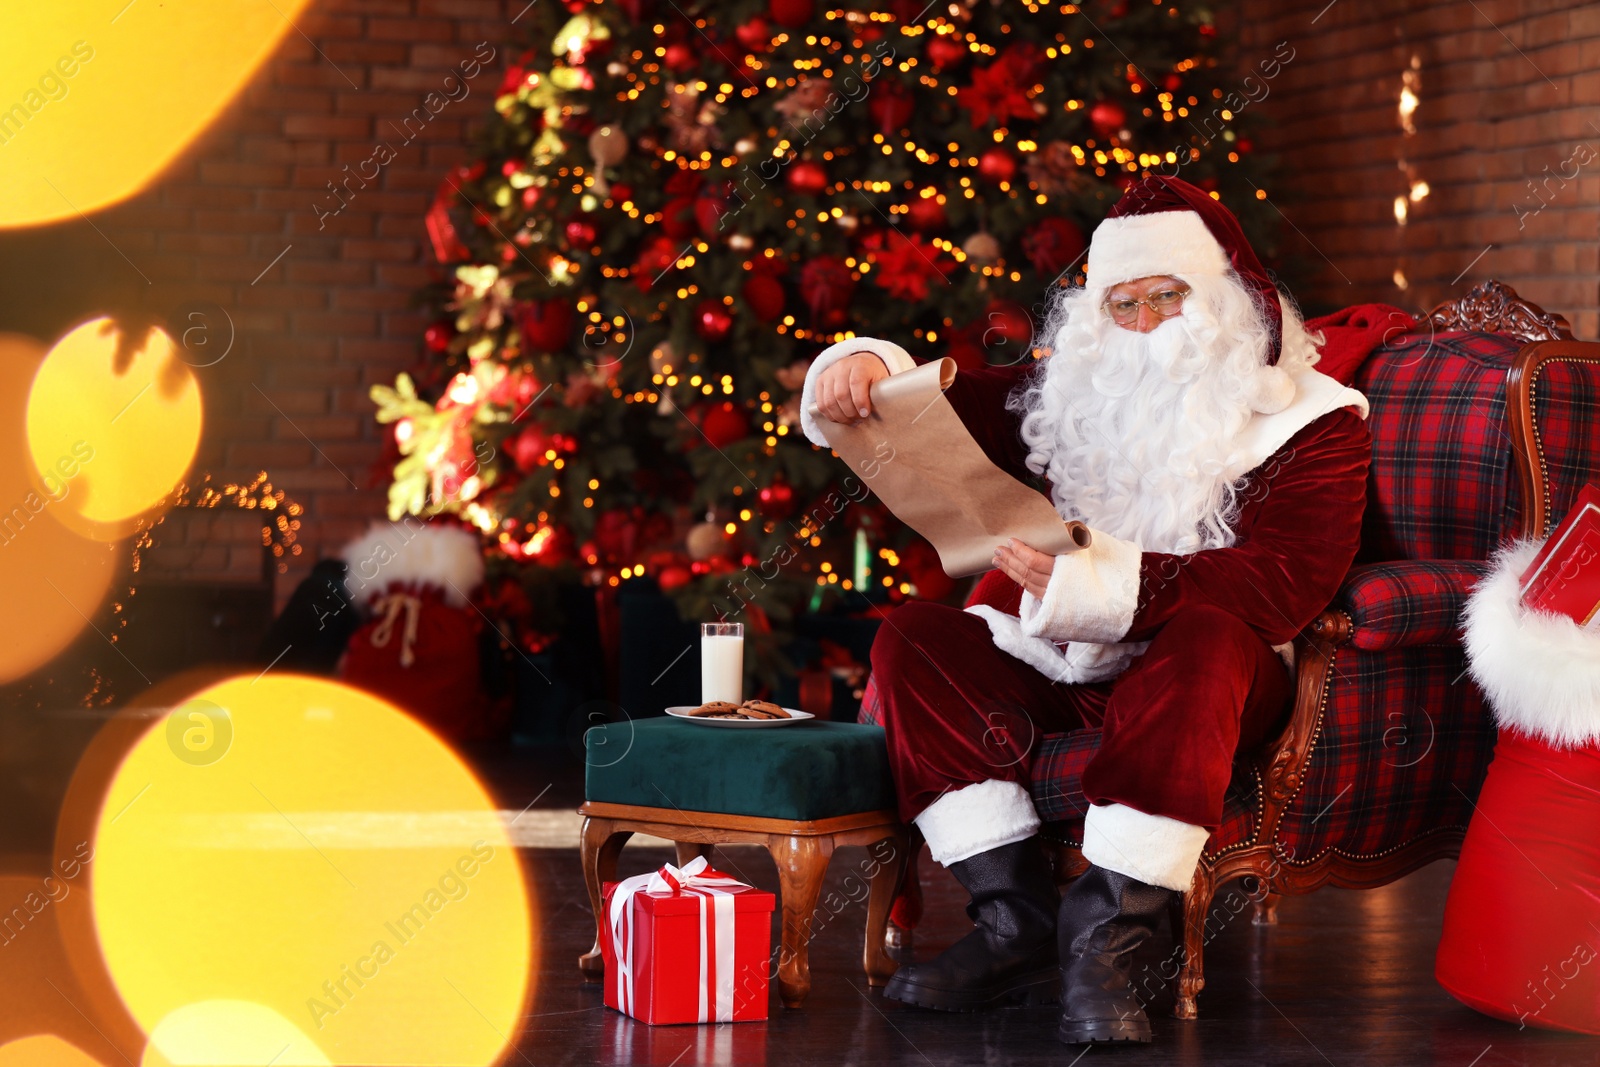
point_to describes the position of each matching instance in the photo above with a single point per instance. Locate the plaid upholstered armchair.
(1485, 422)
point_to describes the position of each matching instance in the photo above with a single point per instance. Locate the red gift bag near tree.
(419, 647)
(1521, 937)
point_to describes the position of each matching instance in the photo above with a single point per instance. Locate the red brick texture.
(1507, 140)
(334, 315)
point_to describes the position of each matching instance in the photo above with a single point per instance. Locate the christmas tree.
(676, 205)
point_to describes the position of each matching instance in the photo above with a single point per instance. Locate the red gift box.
(689, 945)
(1564, 578)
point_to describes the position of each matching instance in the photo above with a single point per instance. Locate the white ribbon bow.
(712, 890)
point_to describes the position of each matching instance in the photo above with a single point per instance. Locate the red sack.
(421, 654)
(1521, 935)
(419, 649)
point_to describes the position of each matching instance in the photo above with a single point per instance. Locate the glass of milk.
(722, 662)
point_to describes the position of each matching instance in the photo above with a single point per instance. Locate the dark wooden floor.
(1345, 978)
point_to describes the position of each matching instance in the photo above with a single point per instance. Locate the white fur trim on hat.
(415, 552)
(894, 357)
(1540, 671)
(976, 818)
(1154, 849)
(1142, 246)
(1091, 596)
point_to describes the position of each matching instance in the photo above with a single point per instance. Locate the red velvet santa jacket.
(1297, 533)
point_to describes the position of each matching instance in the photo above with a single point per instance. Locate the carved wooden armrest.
(1282, 763)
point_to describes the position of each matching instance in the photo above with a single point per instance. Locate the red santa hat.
(1167, 226)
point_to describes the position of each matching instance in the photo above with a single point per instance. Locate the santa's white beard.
(1136, 432)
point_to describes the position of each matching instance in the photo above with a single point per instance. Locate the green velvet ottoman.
(799, 790)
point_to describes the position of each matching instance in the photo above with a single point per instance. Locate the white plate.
(682, 712)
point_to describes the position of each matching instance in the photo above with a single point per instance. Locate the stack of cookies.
(750, 709)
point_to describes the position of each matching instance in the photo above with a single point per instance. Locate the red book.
(1564, 578)
(697, 953)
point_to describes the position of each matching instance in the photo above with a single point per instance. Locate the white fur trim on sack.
(1154, 849)
(894, 357)
(1174, 243)
(416, 552)
(976, 818)
(1540, 672)
(1091, 596)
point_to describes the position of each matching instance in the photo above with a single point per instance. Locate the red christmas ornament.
(547, 324)
(1004, 321)
(439, 335)
(656, 256)
(708, 212)
(926, 213)
(581, 233)
(621, 192)
(527, 447)
(764, 295)
(755, 35)
(679, 57)
(1053, 245)
(724, 423)
(891, 107)
(944, 52)
(530, 196)
(1107, 117)
(1244, 145)
(920, 563)
(1172, 83)
(807, 177)
(826, 286)
(673, 576)
(997, 165)
(678, 218)
(791, 13)
(777, 499)
(712, 320)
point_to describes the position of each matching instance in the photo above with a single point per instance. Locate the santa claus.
(1178, 413)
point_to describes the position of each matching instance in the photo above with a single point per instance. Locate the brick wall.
(1502, 87)
(333, 315)
(1506, 93)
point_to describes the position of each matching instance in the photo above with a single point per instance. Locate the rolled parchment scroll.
(915, 454)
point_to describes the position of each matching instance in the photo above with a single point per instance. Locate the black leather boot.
(1011, 957)
(1105, 917)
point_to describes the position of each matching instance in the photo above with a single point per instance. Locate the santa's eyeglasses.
(1166, 303)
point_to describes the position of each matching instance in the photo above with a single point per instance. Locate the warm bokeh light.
(335, 874)
(111, 441)
(44, 1050)
(224, 1033)
(91, 102)
(52, 581)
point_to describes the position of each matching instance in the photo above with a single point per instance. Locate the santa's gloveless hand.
(843, 389)
(1026, 566)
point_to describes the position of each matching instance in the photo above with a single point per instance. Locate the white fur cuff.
(1092, 594)
(976, 818)
(894, 357)
(1540, 671)
(1154, 849)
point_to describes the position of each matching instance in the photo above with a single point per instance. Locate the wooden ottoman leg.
(890, 855)
(801, 862)
(601, 845)
(688, 850)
